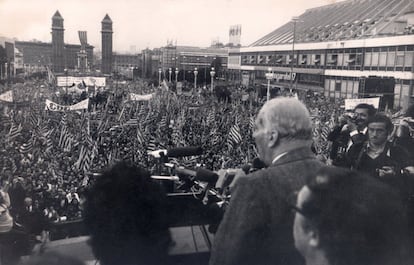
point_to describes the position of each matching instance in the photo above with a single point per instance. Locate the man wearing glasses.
(345, 218)
(256, 228)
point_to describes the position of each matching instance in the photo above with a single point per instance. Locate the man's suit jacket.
(257, 228)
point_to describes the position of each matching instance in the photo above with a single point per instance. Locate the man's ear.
(273, 138)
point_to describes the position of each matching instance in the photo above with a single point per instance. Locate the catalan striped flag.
(131, 122)
(26, 147)
(251, 124)
(14, 132)
(234, 136)
(163, 123)
(211, 117)
(140, 136)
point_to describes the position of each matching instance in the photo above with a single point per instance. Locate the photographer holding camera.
(350, 130)
(378, 157)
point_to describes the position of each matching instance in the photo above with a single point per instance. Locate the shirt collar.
(278, 157)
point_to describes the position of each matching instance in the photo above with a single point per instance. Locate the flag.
(140, 136)
(164, 85)
(131, 122)
(50, 76)
(251, 123)
(163, 123)
(26, 147)
(14, 132)
(152, 145)
(33, 119)
(234, 134)
(211, 118)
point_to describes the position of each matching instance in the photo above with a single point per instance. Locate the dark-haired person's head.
(362, 113)
(379, 128)
(345, 218)
(125, 214)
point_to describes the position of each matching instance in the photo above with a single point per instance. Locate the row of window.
(397, 58)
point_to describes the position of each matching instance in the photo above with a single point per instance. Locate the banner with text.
(52, 106)
(138, 97)
(351, 103)
(88, 80)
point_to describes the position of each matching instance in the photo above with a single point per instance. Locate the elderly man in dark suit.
(257, 226)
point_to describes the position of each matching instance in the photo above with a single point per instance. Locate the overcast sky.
(150, 23)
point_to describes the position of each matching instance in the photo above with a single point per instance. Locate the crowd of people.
(48, 161)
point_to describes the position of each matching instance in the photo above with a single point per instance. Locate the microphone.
(200, 174)
(258, 163)
(206, 175)
(246, 168)
(185, 151)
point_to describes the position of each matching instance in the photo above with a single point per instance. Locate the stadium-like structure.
(350, 49)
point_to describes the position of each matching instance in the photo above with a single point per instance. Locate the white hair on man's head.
(288, 116)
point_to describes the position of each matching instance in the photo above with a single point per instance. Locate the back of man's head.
(125, 215)
(289, 117)
(360, 220)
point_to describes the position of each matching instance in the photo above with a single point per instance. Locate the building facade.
(367, 50)
(37, 55)
(186, 60)
(127, 65)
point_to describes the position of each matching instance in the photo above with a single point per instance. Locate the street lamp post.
(176, 75)
(183, 68)
(159, 76)
(66, 88)
(170, 72)
(205, 70)
(294, 19)
(212, 73)
(269, 76)
(195, 77)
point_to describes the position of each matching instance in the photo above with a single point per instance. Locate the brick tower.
(106, 67)
(58, 59)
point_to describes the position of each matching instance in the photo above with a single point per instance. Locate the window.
(391, 58)
(408, 58)
(244, 59)
(304, 59)
(399, 60)
(317, 59)
(279, 59)
(382, 58)
(375, 59)
(261, 59)
(269, 59)
(338, 85)
(332, 59)
(358, 59)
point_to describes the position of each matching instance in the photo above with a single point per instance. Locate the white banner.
(80, 105)
(138, 97)
(351, 103)
(7, 96)
(52, 106)
(88, 80)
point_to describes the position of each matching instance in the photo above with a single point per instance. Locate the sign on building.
(88, 80)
